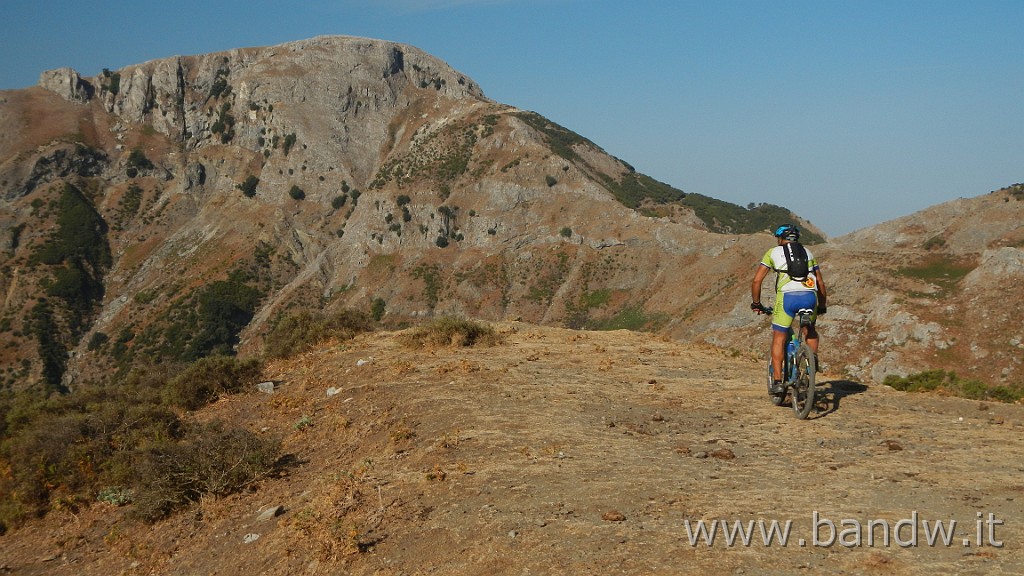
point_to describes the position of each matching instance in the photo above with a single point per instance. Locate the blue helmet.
(788, 232)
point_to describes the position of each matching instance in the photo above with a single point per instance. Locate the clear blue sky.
(849, 113)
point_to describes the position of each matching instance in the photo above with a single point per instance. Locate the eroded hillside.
(230, 187)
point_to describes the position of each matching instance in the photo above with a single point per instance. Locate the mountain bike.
(798, 368)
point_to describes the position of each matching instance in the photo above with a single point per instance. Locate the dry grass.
(339, 521)
(451, 331)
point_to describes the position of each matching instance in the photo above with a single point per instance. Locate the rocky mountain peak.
(347, 171)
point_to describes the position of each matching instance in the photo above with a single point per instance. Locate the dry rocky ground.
(564, 452)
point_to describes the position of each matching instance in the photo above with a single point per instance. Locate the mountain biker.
(790, 296)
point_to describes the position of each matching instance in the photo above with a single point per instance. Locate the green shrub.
(115, 495)
(111, 81)
(220, 85)
(117, 443)
(951, 383)
(377, 308)
(52, 352)
(1016, 191)
(69, 447)
(249, 186)
(81, 234)
(560, 139)
(208, 378)
(630, 318)
(566, 232)
(296, 193)
(550, 180)
(451, 331)
(137, 159)
(300, 331)
(97, 340)
(430, 274)
(339, 201)
(289, 141)
(225, 308)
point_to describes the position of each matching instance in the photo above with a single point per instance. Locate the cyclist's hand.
(757, 307)
(822, 309)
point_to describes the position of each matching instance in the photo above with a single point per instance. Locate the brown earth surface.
(566, 452)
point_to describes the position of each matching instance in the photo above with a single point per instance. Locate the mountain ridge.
(386, 175)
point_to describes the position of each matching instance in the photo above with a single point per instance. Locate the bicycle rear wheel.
(780, 398)
(803, 386)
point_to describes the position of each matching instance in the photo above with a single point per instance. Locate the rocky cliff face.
(338, 171)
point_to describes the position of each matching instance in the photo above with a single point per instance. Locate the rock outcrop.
(67, 83)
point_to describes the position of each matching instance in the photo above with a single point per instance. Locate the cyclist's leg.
(778, 353)
(812, 338)
(780, 332)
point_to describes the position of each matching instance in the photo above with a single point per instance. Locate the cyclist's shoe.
(776, 387)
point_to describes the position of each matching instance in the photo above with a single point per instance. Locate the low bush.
(300, 331)
(208, 378)
(209, 460)
(119, 443)
(377, 308)
(249, 186)
(950, 383)
(451, 331)
(66, 449)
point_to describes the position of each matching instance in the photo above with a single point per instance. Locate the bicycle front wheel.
(803, 386)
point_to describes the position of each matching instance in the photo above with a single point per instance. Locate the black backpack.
(796, 261)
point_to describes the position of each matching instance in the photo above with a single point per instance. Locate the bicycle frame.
(798, 368)
(796, 338)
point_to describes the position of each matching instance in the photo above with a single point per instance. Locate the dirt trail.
(563, 452)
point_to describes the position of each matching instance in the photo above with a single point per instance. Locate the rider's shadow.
(832, 393)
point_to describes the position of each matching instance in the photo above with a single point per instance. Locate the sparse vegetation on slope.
(949, 382)
(441, 156)
(561, 139)
(123, 441)
(126, 441)
(77, 254)
(634, 189)
(729, 218)
(1016, 191)
(941, 271)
